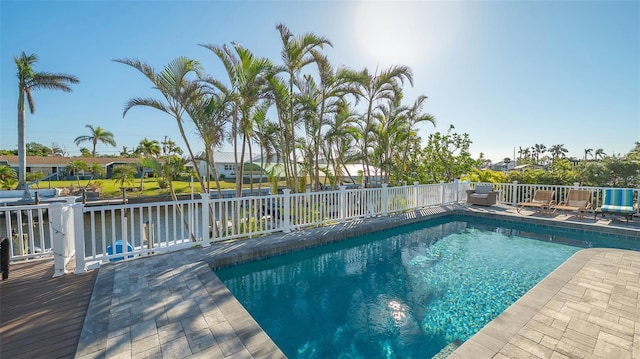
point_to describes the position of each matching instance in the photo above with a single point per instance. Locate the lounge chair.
(482, 195)
(617, 201)
(542, 201)
(578, 200)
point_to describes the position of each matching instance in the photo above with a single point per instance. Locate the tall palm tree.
(340, 139)
(28, 80)
(376, 89)
(248, 77)
(297, 52)
(98, 134)
(414, 116)
(599, 153)
(333, 86)
(210, 114)
(177, 90)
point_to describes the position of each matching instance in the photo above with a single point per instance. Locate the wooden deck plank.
(42, 316)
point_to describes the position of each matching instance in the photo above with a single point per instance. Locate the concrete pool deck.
(172, 305)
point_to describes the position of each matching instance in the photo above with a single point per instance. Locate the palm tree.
(414, 116)
(558, 151)
(28, 80)
(147, 149)
(176, 89)
(376, 89)
(599, 153)
(588, 152)
(75, 167)
(124, 174)
(248, 77)
(297, 52)
(125, 152)
(98, 134)
(538, 149)
(340, 140)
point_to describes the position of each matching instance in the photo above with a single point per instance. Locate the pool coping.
(174, 305)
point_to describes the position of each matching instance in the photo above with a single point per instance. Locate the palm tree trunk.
(22, 147)
(186, 142)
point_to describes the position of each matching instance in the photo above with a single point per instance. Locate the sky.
(510, 74)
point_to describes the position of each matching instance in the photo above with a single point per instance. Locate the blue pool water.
(405, 293)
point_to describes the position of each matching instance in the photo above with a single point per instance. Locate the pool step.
(446, 351)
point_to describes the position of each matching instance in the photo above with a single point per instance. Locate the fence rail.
(96, 234)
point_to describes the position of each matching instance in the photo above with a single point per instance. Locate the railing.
(97, 234)
(29, 230)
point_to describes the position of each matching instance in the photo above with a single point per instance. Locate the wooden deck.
(41, 316)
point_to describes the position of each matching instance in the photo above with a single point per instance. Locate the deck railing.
(96, 234)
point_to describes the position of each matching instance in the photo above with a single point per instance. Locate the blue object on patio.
(617, 201)
(119, 250)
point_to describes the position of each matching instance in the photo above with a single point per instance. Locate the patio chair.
(541, 201)
(578, 200)
(617, 201)
(482, 195)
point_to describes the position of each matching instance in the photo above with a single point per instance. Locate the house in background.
(226, 165)
(48, 165)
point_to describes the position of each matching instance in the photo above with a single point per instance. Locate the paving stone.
(200, 340)
(605, 349)
(176, 348)
(146, 345)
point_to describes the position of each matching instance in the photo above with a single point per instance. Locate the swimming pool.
(403, 293)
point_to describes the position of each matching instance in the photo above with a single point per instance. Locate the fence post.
(78, 237)
(514, 195)
(206, 227)
(415, 195)
(456, 188)
(442, 190)
(385, 199)
(286, 221)
(58, 241)
(343, 203)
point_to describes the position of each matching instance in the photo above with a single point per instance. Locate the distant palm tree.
(599, 153)
(125, 152)
(75, 167)
(147, 149)
(28, 80)
(588, 152)
(558, 151)
(98, 134)
(124, 174)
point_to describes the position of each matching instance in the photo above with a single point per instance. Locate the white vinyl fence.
(95, 234)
